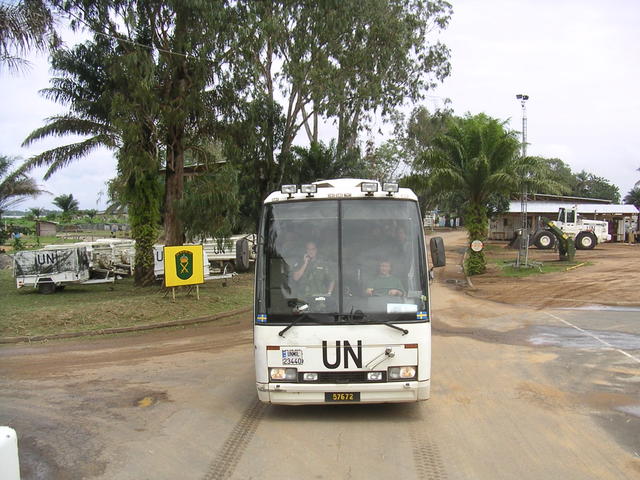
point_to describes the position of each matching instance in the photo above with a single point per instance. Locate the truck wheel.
(545, 241)
(47, 288)
(586, 241)
(242, 255)
(227, 268)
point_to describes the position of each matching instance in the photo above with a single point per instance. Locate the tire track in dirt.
(426, 456)
(236, 443)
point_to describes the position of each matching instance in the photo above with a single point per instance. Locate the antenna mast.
(523, 252)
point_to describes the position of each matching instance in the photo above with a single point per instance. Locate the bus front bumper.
(310, 394)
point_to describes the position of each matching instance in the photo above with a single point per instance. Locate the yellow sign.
(183, 265)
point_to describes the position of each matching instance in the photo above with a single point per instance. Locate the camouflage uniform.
(316, 279)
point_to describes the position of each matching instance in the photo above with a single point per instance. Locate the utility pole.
(523, 251)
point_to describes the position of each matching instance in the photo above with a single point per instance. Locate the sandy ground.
(610, 276)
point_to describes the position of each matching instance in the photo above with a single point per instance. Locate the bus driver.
(384, 283)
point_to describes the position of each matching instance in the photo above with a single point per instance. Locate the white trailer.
(235, 253)
(106, 256)
(51, 268)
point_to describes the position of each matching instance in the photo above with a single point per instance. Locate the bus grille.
(342, 377)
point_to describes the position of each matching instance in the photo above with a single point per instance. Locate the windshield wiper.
(295, 320)
(389, 324)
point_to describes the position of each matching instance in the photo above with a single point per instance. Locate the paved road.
(516, 393)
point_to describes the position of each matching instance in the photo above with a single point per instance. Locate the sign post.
(477, 246)
(184, 265)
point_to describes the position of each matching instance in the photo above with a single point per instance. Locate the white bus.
(342, 295)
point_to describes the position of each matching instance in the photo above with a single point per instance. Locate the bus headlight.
(402, 373)
(283, 374)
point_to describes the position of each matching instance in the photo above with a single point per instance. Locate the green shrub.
(475, 263)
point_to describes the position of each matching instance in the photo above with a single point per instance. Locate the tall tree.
(477, 158)
(159, 77)
(193, 78)
(109, 109)
(15, 185)
(340, 61)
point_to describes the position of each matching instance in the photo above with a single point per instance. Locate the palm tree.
(15, 186)
(36, 212)
(82, 85)
(477, 159)
(23, 26)
(67, 204)
(633, 197)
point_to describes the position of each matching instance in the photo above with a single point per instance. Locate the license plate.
(342, 397)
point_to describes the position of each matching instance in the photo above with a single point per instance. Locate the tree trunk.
(174, 186)
(348, 124)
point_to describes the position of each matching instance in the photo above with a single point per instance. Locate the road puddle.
(630, 409)
(603, 308)
(572, 338)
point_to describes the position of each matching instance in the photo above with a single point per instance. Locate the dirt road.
(608, 275)
(517, 392)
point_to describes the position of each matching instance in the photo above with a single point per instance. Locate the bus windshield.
(348, 260)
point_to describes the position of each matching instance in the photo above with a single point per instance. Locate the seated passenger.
(312, 276)
(384, 283)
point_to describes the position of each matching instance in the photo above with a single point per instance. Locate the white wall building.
(622, 218)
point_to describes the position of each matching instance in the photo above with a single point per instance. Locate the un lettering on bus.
(339, 356)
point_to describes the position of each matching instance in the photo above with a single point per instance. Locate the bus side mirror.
(437, 252)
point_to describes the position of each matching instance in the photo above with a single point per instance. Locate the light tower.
(523, 251)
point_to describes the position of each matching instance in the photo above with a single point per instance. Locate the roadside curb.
(135, 328)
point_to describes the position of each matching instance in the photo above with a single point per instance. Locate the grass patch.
(94, 307)
(492, 248)
(508, 270)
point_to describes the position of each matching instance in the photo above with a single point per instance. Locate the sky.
(578, 60)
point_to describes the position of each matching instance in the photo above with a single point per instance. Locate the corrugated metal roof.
(534, 206)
